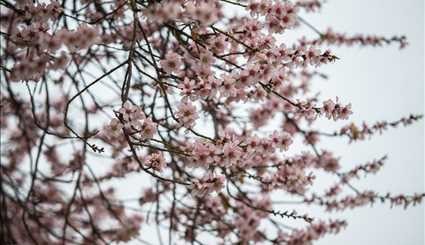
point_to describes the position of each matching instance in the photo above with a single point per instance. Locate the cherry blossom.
(171, 63)
(183, 116)
(187, 114)
(155, 161)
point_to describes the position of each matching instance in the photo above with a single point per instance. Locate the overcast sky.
(381, 83)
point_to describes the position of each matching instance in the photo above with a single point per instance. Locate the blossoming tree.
(212, 111)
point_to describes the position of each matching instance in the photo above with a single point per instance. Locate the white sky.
(381, 83)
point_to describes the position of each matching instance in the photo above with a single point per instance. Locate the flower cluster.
(365, 198)
(205, 13)
(39, 12)
(279, 16)
(309, 5)
(355, 133)
(171, 63)
(133, 119)
(155, 161)
(214, 204)
(331, 37)
(335, 110)
(292, 179)
(81, 38)
(187, 114)
(36, 48)
(252, 151)
(247, 223)
(370, 167)
(207, 184)
(313, 232)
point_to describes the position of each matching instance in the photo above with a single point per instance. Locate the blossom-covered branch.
(183, 97)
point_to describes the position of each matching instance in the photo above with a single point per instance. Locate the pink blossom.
(171, 63)
(186, 114)
(198, 106)
(231, 153)
(155, 161)
(114, 128)
(209, 183)
(282, 141)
